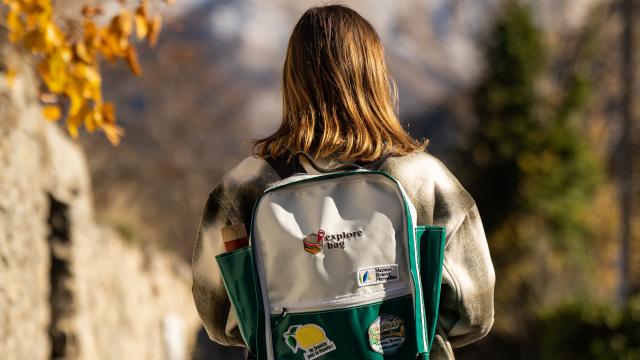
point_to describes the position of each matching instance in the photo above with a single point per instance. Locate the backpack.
(336, 268)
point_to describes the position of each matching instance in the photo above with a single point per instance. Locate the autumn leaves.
(70, 68)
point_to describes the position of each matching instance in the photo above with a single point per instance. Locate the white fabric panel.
(367, 206)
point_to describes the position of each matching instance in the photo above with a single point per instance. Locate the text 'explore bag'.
(336, 269)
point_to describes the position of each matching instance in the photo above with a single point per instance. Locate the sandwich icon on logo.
(313, 242)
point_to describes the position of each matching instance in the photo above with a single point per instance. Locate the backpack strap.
(288, 167)
(374, 165)
(285, 168)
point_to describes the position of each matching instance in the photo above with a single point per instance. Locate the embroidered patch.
(386, 334)
(377, 275)
(310, 338)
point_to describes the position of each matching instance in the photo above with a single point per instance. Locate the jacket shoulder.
(241, 186)
(247, 170)
(435, 192)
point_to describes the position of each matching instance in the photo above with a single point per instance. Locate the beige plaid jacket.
(466, 304)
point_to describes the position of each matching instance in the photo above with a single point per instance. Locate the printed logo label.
(386, 334)
(316, 242)
(310, 338)
(313, 242)
(377, 275)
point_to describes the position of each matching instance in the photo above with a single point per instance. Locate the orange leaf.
(91, 11)
(113, 133)
(154, 32)
(132, 60)
(10, 76)
(34, 40)
(51, 112)
(108, 113)
(122, 24)
(142, 9)
(90, 31)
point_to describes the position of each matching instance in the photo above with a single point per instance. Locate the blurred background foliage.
(520, 99)
(530, 166)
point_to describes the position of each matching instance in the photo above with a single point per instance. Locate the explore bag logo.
(386, 334)
(314, 243)
(310, 338)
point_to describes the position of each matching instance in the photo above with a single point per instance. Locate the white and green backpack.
(336, 268)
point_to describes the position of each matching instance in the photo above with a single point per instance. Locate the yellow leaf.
(53, 72)
(114, 42)
(108, 48)
(83, 53)
(73, 130)
(142, 28)
(87, 117)
(65, 52)
(132, 60)
(14, 23)
(51, 112)
(154, 29)
(10, 76)
(75, 99)
(113, 133)
(88, 74)
(53, 36)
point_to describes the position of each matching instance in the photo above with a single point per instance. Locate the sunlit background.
(524, 101)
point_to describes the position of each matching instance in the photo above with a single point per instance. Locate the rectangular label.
(377, 275)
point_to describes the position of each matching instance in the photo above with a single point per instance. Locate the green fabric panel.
(413, 246)
(432, 241)
(347, 329)
(241, 281)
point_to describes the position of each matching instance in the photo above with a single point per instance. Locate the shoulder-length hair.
(338, 99)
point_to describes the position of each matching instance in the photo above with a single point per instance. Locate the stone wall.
(24, 254)
(71, 288)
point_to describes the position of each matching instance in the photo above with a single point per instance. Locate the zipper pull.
(282, 315)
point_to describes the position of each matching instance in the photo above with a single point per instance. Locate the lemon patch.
(310, 338)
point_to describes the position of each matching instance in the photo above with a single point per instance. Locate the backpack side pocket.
(431, 240)
(241, 281)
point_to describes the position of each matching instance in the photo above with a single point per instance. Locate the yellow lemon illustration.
(311, 338)
(309, 335)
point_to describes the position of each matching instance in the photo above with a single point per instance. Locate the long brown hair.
(337, 97)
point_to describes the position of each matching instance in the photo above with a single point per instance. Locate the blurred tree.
(531, 169)
(579, 331)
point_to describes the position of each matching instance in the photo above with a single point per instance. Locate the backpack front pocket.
(382, 330)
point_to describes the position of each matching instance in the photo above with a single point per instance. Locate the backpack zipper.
(280, 309)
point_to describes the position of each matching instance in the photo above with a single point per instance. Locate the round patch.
(386, 334)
